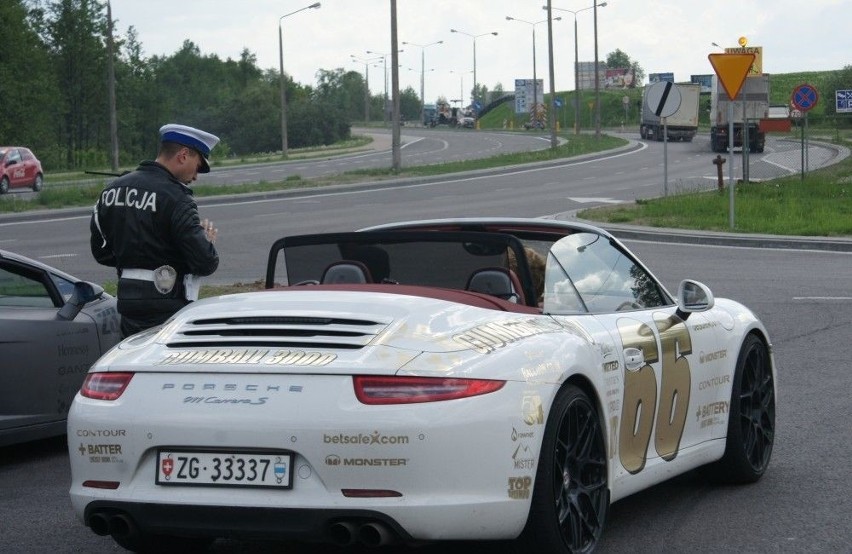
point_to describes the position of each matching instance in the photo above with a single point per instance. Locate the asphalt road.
(801, 505)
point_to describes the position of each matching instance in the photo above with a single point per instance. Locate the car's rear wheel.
(751, 427)
(38, 184)
(4, 185)
(571, 493)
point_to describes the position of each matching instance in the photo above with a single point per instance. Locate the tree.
(28, 87)
(409, 104)
(76, 30)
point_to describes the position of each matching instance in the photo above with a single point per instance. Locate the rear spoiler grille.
(280, 331)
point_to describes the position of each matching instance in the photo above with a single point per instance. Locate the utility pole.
(113, 118)
(397, 151)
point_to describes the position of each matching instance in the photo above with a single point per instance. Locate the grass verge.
(818, 205)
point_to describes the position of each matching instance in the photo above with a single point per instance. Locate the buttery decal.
(247, 356)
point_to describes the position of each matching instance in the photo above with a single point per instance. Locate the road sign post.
(731, 70)
(804, 98)
(663, 99)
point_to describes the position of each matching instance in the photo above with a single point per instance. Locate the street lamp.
(577, 65)
(535, 79)
(366, 63)
(474, 37)
(461, 85)
(282, 81)
(384, 58)
(423, 48)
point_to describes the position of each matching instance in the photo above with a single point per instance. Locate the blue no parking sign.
(805, 97)
(843, 99)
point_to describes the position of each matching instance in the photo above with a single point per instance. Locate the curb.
(716, 238)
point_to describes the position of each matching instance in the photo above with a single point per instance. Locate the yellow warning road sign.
(731, 69)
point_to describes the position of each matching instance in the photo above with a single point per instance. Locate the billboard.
(621, 77)
(525, 95)
(756, 67)
(660, 78)
(706, 81)
(586, 75)
(843, 101)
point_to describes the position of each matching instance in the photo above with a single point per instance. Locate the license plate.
(225, 469)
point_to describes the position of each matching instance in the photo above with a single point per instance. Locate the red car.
(19, 168)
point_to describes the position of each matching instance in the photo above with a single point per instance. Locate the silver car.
(52, 329)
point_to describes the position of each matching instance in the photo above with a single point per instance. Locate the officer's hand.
(209, 230)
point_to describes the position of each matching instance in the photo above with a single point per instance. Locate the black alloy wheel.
(571, 494)
(4, 185)
(751, 427)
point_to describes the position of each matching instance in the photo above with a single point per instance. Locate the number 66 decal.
(640, 390)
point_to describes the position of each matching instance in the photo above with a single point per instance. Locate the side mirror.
(693, 296)
(84, 292)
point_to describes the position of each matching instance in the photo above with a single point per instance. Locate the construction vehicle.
(681, 125)
(750, 106)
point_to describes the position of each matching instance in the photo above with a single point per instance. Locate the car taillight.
(105, 386)
(410, 390)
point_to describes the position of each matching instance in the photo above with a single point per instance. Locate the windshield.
(587, 273)
(434, 259)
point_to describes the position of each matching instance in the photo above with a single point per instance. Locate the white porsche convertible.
(541, 357)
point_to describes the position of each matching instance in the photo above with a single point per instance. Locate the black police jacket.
(147, 219)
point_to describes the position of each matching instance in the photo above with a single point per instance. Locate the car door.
(28, 163)
(661, 352)
(44, 359)
(15, 169)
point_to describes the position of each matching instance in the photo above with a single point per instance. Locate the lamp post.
(384, 58)
(461, 85)
(423, 48)
(597, 80)
(474, 37)
(283, 83)
(535, 76)
(113, 118)
(366, 63)
(577, 65)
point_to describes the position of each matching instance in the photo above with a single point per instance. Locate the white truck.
(751, 105)
(682, 125)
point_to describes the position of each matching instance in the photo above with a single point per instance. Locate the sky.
(664, 36)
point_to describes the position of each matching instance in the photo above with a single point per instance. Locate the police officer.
(146, 225)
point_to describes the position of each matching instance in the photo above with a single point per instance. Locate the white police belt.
(164, 278)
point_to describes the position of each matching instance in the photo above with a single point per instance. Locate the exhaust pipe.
(99, 524)
(374, 534)
(121, 526)
(343, 533)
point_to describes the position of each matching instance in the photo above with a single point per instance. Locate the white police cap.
(202, 141)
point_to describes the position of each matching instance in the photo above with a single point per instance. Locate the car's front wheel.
(4, 185)
(38, 184)
(751, 427)
(571, 492)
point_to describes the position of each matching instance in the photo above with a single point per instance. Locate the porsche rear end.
(325, 417)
